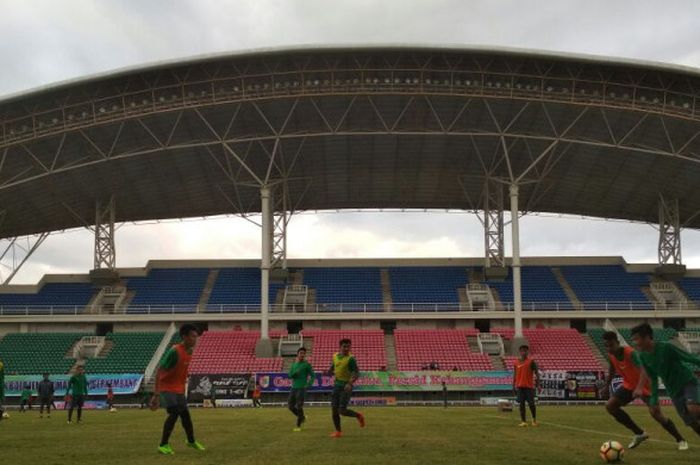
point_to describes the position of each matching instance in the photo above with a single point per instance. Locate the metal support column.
(493, 224)
(517, 297)
(105, 253)
(669, 232)
(264, 347)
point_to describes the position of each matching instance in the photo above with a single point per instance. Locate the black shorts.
(526, 395)
(340, 398)
(625, 396)
(296, 398)
(77, 401)
(173, 402)
(45, 400)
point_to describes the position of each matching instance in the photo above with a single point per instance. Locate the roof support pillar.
(264, 347)
(105, 252)
(669, 232)
(493, 228)
(515, 228)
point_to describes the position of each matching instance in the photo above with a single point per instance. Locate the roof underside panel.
(168, 149)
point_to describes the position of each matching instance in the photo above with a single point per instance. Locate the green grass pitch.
(394, 435)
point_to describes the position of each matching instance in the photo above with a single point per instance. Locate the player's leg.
(346, 412)
(300, 407)
(292, 402)
(70, 409)
(619, 399)
(686, 404)
(530, 398)
(186, 421)
(520, 395)
(335, 408)
(81, 401)
(170, 401)
(666, 422)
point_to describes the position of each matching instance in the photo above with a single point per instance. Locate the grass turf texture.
(401, 435)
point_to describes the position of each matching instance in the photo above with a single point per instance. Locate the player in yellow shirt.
(344, 367)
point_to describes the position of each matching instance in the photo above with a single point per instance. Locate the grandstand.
(350, 128)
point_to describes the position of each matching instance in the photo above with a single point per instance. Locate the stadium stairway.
(390, 350)
(596, 350)
(566, 287)
(497, 362)
(206, 292)
(386, 289)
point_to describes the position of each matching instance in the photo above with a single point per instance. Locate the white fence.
(418, 307)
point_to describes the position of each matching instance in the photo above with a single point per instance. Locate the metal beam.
(15, 254)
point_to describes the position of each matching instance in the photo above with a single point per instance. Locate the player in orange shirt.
(526, 379)
(170, 389)
(624, 361)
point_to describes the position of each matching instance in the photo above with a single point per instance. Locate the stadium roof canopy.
(361, 127)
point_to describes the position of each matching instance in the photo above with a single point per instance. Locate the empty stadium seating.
(231, 352)
(447, 347)
(367, 347)
(51, 298)
(168, 290)
(423, 284)
(540, 289)
(607, 286)
(37, 353)
(352, 285)
(130, 353)
(556, 349)
(237, 287)
(691, 286)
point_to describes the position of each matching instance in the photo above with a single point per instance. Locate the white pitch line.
(583, 430)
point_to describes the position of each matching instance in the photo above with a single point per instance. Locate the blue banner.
(122, 384)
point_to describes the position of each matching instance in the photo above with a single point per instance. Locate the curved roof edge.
(194, 59)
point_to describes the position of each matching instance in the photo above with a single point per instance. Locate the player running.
(344, 367)
(666, 361)
(526, 379)
(45, 390)
(79, 385)
(625, 362)
(170, 389)
(302, 376)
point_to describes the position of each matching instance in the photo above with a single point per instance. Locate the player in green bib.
(302, 375)
(666, 361)
(344, 367)
(78, 384)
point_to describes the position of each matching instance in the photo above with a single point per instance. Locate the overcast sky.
(42, 42)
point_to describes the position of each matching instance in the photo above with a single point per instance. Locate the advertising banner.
(386, 381)
(202, 387)
(571, 385)
(122, 384)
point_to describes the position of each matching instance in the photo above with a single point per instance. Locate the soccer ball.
(612, 451)
(112, 410)
(5, 415)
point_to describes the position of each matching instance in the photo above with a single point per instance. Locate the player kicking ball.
(344, 367)
(302, 375)
(666, 361)
(625, 362)
(526, 379)
(170, 389)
